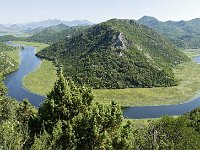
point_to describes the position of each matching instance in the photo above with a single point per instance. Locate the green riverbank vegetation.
(41, 80)
(189, 75)
(69, 119)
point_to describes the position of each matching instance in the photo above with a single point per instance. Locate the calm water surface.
(14, 81)
(29, 62)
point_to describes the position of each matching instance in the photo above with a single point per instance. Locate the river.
(14, 81)
(29, 62)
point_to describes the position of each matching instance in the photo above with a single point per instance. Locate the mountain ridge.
(117, 54)
(184, 34)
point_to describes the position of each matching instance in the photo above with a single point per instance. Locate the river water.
(29, 62)
(14, 81)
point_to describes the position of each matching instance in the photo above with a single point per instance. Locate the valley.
(41, 81)
(111, 84)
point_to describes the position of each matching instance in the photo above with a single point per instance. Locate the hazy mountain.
(2, 28)
(35, 27)
(184, 34)
(53, 22)
(34, 31)
(56, 33)
(117, 54)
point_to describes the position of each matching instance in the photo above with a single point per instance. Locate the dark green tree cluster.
(117, 54)
(6, 38)
(69, 120)
(14, 119)
(181, 133)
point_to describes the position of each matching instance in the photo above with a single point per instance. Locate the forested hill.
(184, 34)
(55, 33)
(117, 54)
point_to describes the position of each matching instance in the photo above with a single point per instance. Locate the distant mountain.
(2, 28)
(78, 23)
(53, 22)
(33, 31)
(14, 27)
(184, 34)
(117, 54)
(55, 33)
(35, 27)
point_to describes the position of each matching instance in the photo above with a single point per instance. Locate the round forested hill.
(117, 54)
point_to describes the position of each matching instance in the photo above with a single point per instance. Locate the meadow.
(188, 73)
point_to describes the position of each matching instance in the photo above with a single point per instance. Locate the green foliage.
(55, 33)
(14, 119)
(6, 38)
(7, 64)
(69, 120)
(171, 133)
(117, 54)
(184, 34)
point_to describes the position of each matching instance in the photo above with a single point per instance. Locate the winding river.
(14, 81)
(29, 62)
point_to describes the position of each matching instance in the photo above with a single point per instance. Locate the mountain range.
(45, 23)
(184, 34)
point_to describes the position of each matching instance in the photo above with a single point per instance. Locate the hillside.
(55, 33)
(33, 31)
(184, 34)
(117, 54)
(7, 64)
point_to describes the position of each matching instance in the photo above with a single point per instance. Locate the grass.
(189, 87)
(40, 81)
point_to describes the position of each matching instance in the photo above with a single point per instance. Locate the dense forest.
(184, 34)
(68, 119)
(117, 54)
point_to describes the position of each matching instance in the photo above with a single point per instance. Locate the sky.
(22, 11)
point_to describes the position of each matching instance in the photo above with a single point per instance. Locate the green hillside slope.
(55, 33)
(184, 34)
(117, 54)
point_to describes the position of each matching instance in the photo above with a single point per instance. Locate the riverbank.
(41, 80)
(188, 73)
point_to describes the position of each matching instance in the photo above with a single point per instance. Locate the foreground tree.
(68, 119)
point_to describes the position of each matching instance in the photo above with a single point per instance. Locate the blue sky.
(21, 11)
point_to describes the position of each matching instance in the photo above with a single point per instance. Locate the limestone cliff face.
(119, 41)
